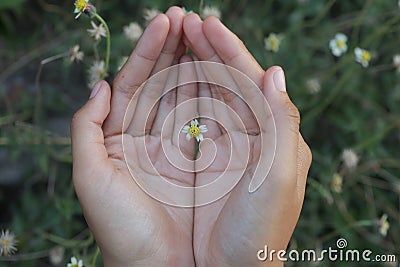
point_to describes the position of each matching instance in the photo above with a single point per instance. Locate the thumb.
(287, 120)
(88, 150)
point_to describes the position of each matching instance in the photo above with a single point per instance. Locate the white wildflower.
(186, 12)
(338, 45)
(396, 62)
(56, 255)
(133, 31)
(383, 225)
(7, 243)
(95, 72)
(97, 31)
(313, 86)
(273, 41)
(150, 14)
(75, 54)
(362, 56)
(336, 183)
(349, 158)
(194, 130)
(210, 11)
(75, 263)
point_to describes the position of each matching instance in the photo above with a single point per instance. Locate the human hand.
(130, 227)
(230, 231)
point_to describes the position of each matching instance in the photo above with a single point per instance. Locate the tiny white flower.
(75, 263)
(75, 54)
(97, 31)
(194, 130)
(211, 11)
(383, 225)
(186, 12)
(349, 158)
(338, 45)
(362, 56)
(7, 243)
(150, 14)
(313, 86)
(95, 72)
(336, 183)
(273, 41)
(396, 62)
(56, 255)
(133, 31)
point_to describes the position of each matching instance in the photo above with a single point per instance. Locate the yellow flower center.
(194, 131)
(5, 243)
(274, 43)
(366, 56)
(341, 43)
(81, 5)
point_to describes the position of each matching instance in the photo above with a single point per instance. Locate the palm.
(144, 225)
(220, 223)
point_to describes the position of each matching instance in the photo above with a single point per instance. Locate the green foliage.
(355, 108)
(10, 4)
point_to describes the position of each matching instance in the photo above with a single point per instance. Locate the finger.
(135, 71)
(88, 150)
(287, 119)
(240, 98)
(173, 41)
(206, 109)
(149, 97)
(185, 112)
(231, 49)
(196, 40)
(167, 104)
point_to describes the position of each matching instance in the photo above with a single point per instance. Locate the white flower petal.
(341, 37)
(200, 138)
(203, 129)
(185, 129)
(332, 44)
(336, 52)
(188, 136)
(358, 52)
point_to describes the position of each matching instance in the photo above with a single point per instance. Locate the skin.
(133, 229)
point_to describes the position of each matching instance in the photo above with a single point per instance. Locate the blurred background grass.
(342, 104)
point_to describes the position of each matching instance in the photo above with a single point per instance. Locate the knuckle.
(122, 87)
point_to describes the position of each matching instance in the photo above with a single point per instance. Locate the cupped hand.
(130, 227)
(230, 231)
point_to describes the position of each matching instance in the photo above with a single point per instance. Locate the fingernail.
(279, 80)
(95, 90)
